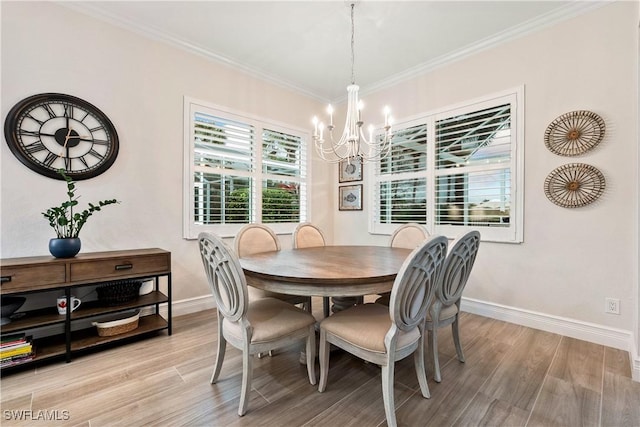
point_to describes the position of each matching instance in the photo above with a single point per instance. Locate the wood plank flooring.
(513, 376)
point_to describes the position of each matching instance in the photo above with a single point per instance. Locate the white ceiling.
(306, 44)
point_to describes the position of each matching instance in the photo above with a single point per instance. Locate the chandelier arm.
(353, 143)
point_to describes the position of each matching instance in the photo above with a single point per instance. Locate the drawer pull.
(124, 267)
(5, 279)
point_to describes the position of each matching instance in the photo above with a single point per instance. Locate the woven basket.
(118, 326)
(118, 292)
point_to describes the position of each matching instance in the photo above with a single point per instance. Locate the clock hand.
(66, 138)
(66, 141)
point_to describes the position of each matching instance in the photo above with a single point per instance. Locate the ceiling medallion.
(574, 133)
(574, 185)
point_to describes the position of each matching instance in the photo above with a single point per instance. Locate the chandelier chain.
(353, 54)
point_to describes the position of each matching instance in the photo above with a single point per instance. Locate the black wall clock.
(52, 131)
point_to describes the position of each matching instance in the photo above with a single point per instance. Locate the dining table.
(345, 273)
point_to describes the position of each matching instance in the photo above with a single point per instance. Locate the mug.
(62, 304)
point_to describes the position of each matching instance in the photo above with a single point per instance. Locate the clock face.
(53, 131)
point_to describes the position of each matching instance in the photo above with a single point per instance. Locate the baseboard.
(610, 337)
(192, 305)
(635, 362)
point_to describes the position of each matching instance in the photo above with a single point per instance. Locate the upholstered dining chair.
(384, 335)
(251, 326)
(255, 238)
(408, 236)
(445, 308)
(307, 235)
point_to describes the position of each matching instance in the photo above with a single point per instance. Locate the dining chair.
(445, 308)
(307, 235)
(251, 326)
(255, 238)
(384, 335)
(407, 236)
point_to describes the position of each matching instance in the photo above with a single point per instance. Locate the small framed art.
(350, 197)
(350, 170)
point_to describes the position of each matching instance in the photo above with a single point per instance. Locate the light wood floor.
(513, 376)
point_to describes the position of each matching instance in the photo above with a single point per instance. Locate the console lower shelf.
(70, 334)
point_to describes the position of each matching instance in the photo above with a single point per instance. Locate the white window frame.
(190, 228)
(512, 234)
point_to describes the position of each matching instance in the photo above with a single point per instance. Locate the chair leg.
(311, 354)
(222, 346)
(247, 374)
(433, 334)
(324, 360)
(418, 360)
(326, 306)
(306, 306)
(456, 339)
(387, 394)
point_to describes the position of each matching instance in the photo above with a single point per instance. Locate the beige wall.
(140, 85)
(570, 259)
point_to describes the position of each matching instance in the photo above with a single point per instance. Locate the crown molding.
(533, 25)
(90, 9)
(571, 10)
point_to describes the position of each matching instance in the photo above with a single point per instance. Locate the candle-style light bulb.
(386, 110)
(330, 111)
(315, 125)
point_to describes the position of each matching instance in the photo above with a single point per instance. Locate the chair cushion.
(445, 313)
(271, 319)
(365, 326)
(255, 294)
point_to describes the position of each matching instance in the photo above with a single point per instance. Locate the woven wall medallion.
(574, 185)
(574, 133)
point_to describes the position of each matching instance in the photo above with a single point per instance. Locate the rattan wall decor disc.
(574, 185)
(574, 133)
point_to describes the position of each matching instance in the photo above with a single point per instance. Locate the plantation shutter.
(473, 168)
(401, 184)
(284, 170)
(223, 164)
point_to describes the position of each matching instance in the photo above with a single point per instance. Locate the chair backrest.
(408, 236)
(307, 235)
(457, 267)
(415, 285)
(225, 276)
(255, 238)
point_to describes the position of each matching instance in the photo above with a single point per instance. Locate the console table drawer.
(32, 277)
(119, 267)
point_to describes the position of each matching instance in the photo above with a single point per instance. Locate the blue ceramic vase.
(64, 248)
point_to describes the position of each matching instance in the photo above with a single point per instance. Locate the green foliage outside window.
(278, 205)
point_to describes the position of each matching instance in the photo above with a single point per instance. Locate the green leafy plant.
(63, 220)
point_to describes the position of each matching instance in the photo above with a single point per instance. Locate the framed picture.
(350, 197)
(350, 170)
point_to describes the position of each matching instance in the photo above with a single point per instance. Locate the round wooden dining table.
(327, 271)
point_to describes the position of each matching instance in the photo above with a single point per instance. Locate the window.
(454, 170)
(241, 169)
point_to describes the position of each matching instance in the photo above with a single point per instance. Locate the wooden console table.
(31, 275)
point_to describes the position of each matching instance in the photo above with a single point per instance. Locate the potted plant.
(67, 224)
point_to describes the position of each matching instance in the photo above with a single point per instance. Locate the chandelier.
(353, 144)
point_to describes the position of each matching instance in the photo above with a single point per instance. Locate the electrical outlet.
(612, 306)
